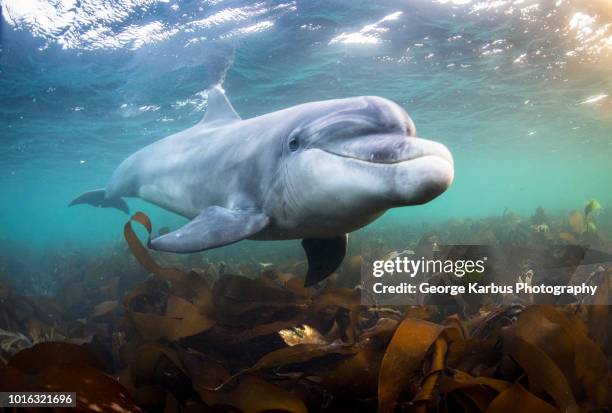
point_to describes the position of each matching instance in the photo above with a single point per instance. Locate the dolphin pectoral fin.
(214, 227)
(98, 198)
(324, 257)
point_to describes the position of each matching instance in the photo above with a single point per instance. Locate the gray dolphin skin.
(315, 171)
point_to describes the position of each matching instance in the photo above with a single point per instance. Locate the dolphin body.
(315, 171)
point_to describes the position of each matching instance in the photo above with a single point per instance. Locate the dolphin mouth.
(374, 160)
(408, 170)
(390, 149)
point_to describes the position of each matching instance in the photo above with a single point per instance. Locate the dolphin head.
(355, 158)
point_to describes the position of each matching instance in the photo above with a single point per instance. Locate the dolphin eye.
(294, 144)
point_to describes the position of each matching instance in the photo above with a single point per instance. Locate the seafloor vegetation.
(132, 332)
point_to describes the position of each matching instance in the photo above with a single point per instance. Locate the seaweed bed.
(130, 334)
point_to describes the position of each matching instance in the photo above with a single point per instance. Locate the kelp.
(209, 340)
(63, 367)
(403, 356)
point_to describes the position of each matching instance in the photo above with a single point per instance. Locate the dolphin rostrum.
(315, 171)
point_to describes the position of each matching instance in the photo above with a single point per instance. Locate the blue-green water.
(519, 92)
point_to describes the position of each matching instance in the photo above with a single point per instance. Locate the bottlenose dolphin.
(315, 171)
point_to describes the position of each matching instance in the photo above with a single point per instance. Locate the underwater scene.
(306, 206)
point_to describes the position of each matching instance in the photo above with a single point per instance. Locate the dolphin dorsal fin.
(220, 110)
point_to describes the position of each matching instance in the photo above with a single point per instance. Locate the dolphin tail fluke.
(98, 198)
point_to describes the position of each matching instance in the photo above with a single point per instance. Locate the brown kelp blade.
(142, 254)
